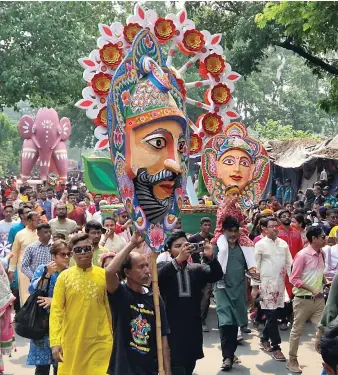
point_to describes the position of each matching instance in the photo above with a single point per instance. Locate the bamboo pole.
(156, 296)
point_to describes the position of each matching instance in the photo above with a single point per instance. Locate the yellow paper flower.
(111, 55)
(164, 29)
(193, 40)
(220, 94)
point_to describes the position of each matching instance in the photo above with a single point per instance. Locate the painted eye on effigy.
(156, 141)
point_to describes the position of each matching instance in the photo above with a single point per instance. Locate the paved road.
(254, 361)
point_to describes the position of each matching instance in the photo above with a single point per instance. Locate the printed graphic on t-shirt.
(140, 329)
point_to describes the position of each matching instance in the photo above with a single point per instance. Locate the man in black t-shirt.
(206, 291)
(134, 321)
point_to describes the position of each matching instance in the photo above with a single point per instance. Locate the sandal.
(265, 345)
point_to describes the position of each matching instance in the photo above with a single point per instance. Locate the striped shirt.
(35, 254)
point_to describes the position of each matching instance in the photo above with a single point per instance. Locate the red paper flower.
(214, 64)
(101, 83)
(164, 29)
(181, 84)
(195, 144)
(220, 94)
(193, 40)
(212, 123)
(102, 117)
(111, 55)
(130, 31)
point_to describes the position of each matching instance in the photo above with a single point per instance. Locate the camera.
(198, 247)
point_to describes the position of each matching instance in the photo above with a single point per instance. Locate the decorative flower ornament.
(180, 34)
(164, 29)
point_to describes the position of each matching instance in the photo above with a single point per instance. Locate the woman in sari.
(6, 329)
(40, 354)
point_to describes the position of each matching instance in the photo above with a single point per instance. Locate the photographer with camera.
(181, 285)
(109, 239)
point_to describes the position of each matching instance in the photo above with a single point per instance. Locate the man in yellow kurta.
(23, 239)
(80, 322)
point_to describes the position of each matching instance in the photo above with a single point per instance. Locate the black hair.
(71, 195)
(32, 214)
(92, 224)
(59, 236)
(331, 211)
(205, 220)
(314, 231)
(77, 238)
(301, 220)
(43, 226)
(125, 264)
(281, 212)
(50, 189)
(108, 218)
(329, 344)
(9, 205)
(261, 201)
(286, 203)
(230, 222)
(264, 222)
(57, 245)
(175, 236)
(299, 211)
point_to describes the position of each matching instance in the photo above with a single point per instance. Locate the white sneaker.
(239, 335)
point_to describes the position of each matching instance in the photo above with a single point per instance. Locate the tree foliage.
(42, 41)
(307, 28)
(286, 91)
(274, 130)
(10, 146)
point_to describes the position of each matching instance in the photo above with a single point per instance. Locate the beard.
(155, 209)
(286, 222)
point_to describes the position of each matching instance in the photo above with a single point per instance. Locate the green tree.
(273, 130)
(286, 91)
(10, 146)
(309, 29)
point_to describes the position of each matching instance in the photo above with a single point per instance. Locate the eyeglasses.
(65, 255)
(80, 249)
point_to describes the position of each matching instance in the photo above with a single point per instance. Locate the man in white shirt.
(110, 240)
(5, 226)
(274, 260)
(331, 260)
(16, 201)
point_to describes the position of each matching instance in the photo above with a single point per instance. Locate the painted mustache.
(165, 175)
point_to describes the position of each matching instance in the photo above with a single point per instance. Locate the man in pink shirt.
(307, 277)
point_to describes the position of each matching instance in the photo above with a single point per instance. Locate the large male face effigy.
(147, 128)
(136, 99)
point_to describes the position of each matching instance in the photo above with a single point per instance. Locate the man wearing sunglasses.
(80, 328)
(308, 279)
(123, 224)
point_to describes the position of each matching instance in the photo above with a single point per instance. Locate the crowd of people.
(274, 266)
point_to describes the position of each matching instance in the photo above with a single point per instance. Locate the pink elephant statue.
(44, 140)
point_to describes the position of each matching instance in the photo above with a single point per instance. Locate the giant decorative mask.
(234, 158)
(147, 129)
(137, 102)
